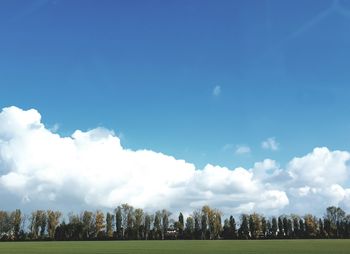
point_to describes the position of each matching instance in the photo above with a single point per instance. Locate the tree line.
(128, 223)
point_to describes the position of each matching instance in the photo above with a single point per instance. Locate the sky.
(242, 105)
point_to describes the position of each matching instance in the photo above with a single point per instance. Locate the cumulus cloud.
(270, 144)
(92, 169)
(242, 150)
(319, 179)
(217, 91)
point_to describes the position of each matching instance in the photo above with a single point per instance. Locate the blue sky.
(148, 71)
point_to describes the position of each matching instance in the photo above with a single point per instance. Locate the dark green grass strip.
(180, 247)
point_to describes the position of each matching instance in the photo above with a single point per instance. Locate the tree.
(310, 226)
(17, 220)
(42, 222)
(204, 224)
(165, 222)
(280, 227)
(327, 227)
(226, 229)
(232, 225)
(189, 228)
(139, 219)
(301, 228)
(74, 229)
(118, 222)
(263, 227)
(274, 227)
(88, 225)
(33, 230)
(321, 231)
(296, 226)
(289, 228)
(255, 225)
(157, 225)
(5, 225)
(268, 229)
(127, 221)
(130, 229)
(243, 231)
(37, 225)
(52, 222)
(99, 224)
(214, 219)
(147, 226)
(335, 215)
(197, 224)
(251, 227)
(180, 226)
(109, 225)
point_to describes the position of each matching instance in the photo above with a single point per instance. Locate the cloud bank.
(92, 169)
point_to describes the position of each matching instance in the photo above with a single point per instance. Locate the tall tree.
(321, 232)
(17, 220)
(38, 224)
(263, 226)
(147, 226)
(301, 228)
(289, 228)
(310, 226)
(5, 224)
(118, 222)
(207, 213)
(197, 224)
(180, 226)
(274, 227)
(243, 231)
(52, 222)
(255, 225)
(285, 226)
(204, 224)
(42, 222)
(157, 225)
(139, 220)
(334, 215)
(127, 220)
(88, 225)
(215, 226)
(226, 229)
(280, 227)
(327, 227)
(269, 228)
(189, 228)
(165, 222)
(74, 229)
(233, 229)
(296, 226)
(109, 225)
(99, 224)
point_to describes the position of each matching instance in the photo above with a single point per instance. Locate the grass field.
(181, 247)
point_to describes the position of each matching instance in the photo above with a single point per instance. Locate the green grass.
(180, 247)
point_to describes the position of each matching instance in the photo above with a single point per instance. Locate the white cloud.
(270, 144)
(217, 90)
(91, 169)
(242, 150)
(319, 179)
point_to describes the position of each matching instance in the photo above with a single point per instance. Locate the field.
(180, 247)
